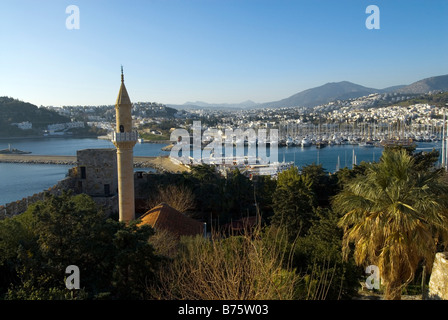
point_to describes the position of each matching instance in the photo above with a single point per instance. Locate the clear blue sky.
(218, 51)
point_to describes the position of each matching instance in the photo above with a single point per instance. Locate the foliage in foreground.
(396, 217)
(115, 260)
(244, 267)
(298, 254)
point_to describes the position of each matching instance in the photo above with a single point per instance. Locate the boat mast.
(446, 142)
(443, 141)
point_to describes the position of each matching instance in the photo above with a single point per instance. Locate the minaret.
(124, 138)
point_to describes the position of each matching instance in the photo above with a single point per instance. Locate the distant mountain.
(320, 95)
(205, 105)
(347, 90)
(330, 92)
(426, 85)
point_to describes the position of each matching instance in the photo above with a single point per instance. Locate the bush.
(243, 267)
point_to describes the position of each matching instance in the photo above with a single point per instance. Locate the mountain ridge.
(426, 85)
(343, 90)
(331, 91)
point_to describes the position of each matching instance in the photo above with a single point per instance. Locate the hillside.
(439, 100)
(16, 111)
(426, 85)
(323, 94)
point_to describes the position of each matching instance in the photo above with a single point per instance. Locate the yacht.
(306, 142)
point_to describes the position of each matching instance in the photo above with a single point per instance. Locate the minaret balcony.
(125, 136)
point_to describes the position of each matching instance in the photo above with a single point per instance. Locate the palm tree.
(396, 217)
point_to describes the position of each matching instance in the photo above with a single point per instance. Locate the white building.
(26, 125)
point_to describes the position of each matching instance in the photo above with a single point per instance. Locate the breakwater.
(41, 159)
(139, 162)
(160, 163)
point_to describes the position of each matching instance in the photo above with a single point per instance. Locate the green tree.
(324, 186)
(321, 249)
(344, 175)
(293, 202)
(240, 192)
(425, 160)
(135, 263)
(264, 190)
(210, 193)
(395, 217)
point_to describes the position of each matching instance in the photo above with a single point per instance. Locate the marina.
(40, 176)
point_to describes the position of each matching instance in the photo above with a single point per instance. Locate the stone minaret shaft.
(124, 138)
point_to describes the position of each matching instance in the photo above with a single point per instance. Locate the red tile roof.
(165, 217)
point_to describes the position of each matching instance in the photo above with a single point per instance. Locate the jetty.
(161, 163)
(38, 159)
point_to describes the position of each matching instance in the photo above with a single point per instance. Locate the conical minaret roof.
(123, 97)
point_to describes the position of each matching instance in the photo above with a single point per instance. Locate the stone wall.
(438, 283)
(100, 170)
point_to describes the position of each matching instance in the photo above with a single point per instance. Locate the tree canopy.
(115, 259)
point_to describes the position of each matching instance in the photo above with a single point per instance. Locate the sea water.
(22, 180)
(19, 180)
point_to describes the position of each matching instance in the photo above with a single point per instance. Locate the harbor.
(25, 174)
